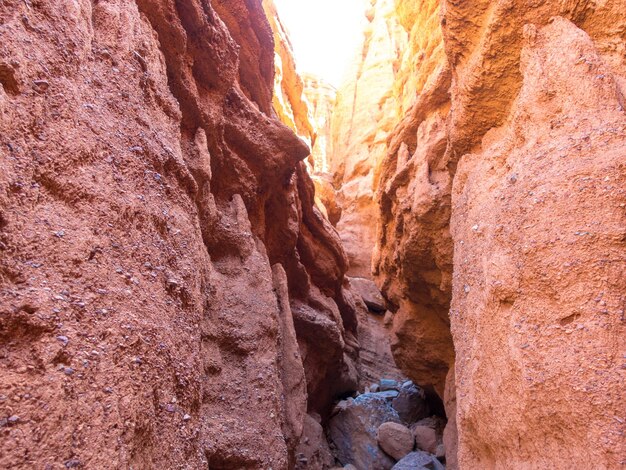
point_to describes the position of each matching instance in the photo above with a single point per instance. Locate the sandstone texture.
(175, 200)
(395, 439)
(496, 155)
(362, 117)
(539, 281)
(289, 101)
(413, 256)
(169, 293)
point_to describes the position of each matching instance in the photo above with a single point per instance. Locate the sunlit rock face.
(538, 118)
(321, 97)
(288, 100)
(499, 217)
(364, 114)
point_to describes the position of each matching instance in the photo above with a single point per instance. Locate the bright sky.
(325, 34)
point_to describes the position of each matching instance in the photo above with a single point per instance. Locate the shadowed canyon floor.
(208, 260)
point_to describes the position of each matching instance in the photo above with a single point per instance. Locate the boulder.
(389, 384)
(418, 460)
(352, 432)
(425, 439)
(395, 439)
(369, 293)
(313, 450)
(410, 403)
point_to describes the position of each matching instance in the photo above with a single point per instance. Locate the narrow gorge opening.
(219, 253)
(343, 73)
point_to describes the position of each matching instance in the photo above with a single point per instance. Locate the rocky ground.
(388, 426)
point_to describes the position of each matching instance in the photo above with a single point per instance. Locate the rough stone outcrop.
(159, 244)
(321, 305)
(538, 291)
(413, 257)
(509, 123)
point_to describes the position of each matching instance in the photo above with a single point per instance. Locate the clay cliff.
(499, 150)
(170, 295)
(364, 113)
(189, 229)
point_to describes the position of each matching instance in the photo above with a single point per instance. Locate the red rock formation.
(147, 191)
(542, 133)
(413, 256)
(289, 100)
(446, 102)
(364, 114)
(538, 225)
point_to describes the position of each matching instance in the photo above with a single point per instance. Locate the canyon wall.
(538, 224)
(321, 98)
(169, 293)
(500, 241)
(364, 113)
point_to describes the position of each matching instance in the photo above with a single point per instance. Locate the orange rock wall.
(364, 114)
(537, 213)
(500, 183)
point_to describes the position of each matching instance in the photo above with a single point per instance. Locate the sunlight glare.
(325, 34)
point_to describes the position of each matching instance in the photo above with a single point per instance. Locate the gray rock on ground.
(352, 432)
(389, 384)
(411, 403)
(419, 460)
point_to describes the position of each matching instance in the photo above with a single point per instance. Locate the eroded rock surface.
(540, 280)
(485, 133)
(162, 262)
(363, 115)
